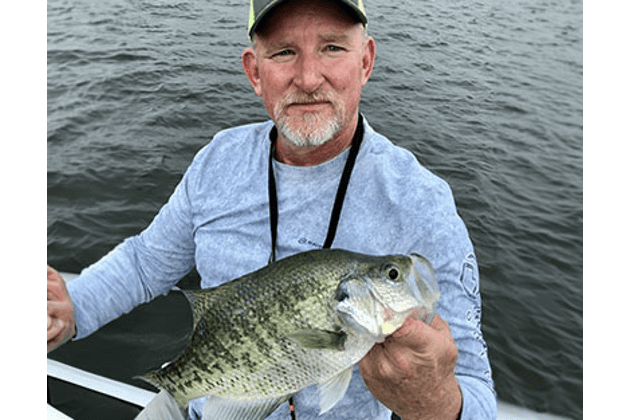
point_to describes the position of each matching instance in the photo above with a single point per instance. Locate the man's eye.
(333, 48)
(282, 55)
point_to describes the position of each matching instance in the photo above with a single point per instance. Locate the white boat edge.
(141, 397)
(120, 390)
(54, 414)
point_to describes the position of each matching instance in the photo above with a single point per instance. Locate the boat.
(140, 397)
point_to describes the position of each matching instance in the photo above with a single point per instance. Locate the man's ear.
(250, 66)
(369, 53)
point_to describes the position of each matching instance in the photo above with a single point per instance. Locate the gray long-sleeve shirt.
(218, 220)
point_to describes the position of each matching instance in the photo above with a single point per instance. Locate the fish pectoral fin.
(319, 339)
(224, 409)
(162, 407)
(332, 391)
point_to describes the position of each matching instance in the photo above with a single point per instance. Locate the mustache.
(301, 98)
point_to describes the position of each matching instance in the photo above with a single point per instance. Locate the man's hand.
(412, 371)
(61, 327)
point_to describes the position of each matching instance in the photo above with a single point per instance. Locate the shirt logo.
(305, 241)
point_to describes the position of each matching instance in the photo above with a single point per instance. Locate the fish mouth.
(378, 311)
(388, 320)
(357, 307)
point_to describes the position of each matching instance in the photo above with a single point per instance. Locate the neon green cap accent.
(251, 15)
(361, 6)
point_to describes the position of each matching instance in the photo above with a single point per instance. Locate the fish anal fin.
(224, 409)
(332, 391)
(319, 339)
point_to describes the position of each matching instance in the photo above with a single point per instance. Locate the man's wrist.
(445, 403)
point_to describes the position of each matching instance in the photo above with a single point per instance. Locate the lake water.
(486, 93)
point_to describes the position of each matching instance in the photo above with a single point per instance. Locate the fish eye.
(393, 274)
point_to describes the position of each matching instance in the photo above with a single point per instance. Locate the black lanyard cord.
(273, 197)
(336, 211)
(341, 190)
(343, 184)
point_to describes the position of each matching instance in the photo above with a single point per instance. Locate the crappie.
(304, 320)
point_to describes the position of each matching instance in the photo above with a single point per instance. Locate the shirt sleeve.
(139, 269)
(446, 244)
(473, 370)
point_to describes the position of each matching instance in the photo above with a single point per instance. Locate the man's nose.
(309, 76)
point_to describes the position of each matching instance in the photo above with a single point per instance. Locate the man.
(309, 61)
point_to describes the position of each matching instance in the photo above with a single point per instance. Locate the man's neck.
(290, 154)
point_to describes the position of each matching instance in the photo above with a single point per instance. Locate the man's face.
(309, 65)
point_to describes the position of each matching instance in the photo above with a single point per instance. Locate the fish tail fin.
(162, 407)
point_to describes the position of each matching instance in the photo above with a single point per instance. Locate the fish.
(304, 320)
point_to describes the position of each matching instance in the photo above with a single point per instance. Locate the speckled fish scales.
(304, 320)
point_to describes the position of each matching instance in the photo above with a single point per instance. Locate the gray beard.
(311, 129)
(307, 136)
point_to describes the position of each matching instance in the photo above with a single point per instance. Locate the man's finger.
(56, 321)
(53, 309)
(54, 289)
(51, 293)
(418, 336)
(53, 343)
(55, 286)
(58, 333)
(55, 328)
(52, 274)
(413, 333)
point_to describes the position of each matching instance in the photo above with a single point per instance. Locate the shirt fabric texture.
(217, 219)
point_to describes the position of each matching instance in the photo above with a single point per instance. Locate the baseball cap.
(260, 8)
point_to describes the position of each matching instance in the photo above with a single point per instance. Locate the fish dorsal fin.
(223, 409)
(319, 339)
(333, 390)
(194, 306)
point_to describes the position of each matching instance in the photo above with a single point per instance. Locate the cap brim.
(351, 8)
